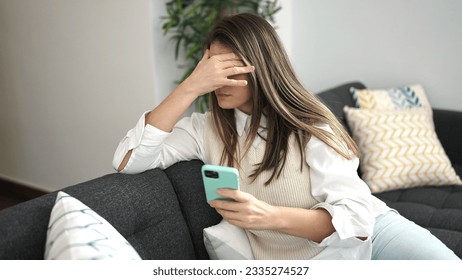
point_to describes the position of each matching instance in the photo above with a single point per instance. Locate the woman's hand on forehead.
(215, 71)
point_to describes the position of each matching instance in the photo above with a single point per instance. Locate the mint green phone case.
(219, 177)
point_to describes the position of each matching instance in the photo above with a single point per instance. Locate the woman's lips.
(223, 94)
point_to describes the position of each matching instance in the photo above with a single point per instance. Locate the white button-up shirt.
(334, 179)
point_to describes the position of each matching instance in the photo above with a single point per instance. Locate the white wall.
(381, 43)
(74, 77)
(166, 70)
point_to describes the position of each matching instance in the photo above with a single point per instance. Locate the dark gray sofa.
(437, 208)
(162, 213)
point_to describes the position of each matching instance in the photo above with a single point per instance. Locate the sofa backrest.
(336, 98)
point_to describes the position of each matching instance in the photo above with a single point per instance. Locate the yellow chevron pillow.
(399, 148)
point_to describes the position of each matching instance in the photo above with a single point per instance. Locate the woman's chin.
(226, 105)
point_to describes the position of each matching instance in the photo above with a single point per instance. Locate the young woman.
(300, 197)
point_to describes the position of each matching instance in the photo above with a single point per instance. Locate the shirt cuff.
(145, 134)
(334, 240)
(135, 134)
(343, 236)
(152, 136)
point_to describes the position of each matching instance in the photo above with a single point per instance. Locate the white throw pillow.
(225, 241)
(77, 232)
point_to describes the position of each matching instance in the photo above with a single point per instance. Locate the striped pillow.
(400, 149)
(77, 232)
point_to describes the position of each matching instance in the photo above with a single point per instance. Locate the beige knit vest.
(291, 189)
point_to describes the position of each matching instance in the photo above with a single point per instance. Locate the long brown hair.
(276, 93)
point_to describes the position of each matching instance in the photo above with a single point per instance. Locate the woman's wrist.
(313, 224)
(190, 89)
(279, 219)
(172, 108)
(186, 92)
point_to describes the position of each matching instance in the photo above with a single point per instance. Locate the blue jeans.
(397, 238)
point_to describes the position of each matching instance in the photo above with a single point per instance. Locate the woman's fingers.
(235, 83)
(231, 63)
(234, 67)
(226, 57)
(219, 71)
(236, 70)
(236, 195)
(245, 211)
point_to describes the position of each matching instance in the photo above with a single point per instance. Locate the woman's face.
(232, 97)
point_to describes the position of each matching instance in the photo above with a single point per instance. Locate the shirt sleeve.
(154, 148)
(336, 184)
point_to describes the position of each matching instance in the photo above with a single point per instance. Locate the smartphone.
(219, 177)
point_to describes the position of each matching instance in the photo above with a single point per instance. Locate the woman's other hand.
(245, 211)
(248, 212)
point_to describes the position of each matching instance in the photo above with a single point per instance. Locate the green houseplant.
(188, 22)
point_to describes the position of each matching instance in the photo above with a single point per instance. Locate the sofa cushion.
(399, 149)
(437, 208)
(76, 232)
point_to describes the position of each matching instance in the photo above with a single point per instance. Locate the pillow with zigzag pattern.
(399, 149)
(405, 97)
(76, 232)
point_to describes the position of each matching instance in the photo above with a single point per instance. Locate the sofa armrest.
(448, 126)
(142, 207)
(187, 181)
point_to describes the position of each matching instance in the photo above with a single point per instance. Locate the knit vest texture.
(291, 189)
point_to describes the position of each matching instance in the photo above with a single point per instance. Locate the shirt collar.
(243, 121)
